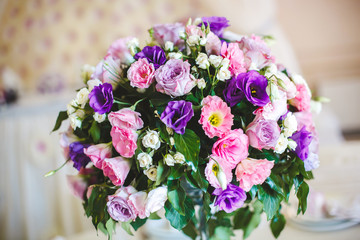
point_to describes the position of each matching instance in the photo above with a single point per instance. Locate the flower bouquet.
(206, 126)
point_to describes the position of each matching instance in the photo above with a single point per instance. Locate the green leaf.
(154, 216)
(206, 205)
(61, 117)
(200, 180)
(177, 198)
(247, 220)
(271, 200)
(138, 223)
(177, 220)
(127, 228)
(190, 230)
(189, 145)
(302, 196)
(95, 132)
(298, 180)
(277, 225)
(110, 227)
(222, 233)
(162, 172)
(176, 172)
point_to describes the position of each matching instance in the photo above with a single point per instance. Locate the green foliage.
(271, 200)
(61, 117)
(277, 225)
(189, 145)
(95, 132)
(177, 220)
(222, 233)
(176, 196)
(302, 194)
(138, 223)
(190, 230)
(248, 220)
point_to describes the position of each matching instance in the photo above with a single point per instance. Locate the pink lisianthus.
(232, 148)
(304, 119)
(116, 169)
(108, 70)
(97, 153)
(118, 206)
(169, 32)
(216, 118)
(155, 200)
(217, 170)
(124, 141)
(119, 50)
(126, 118)
(141, 73)
(232, 52)
(263, 134)
(137, 202)
(77, 185)
(213, 44)
(274, 109)
(174, 78)
(250, 172)
(193, 30)
(302, 99)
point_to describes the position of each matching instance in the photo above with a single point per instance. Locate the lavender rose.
(232, 94)
(154, 55)
(101, 98)
(177, 114)
(77, 155)
(303, 139)
(217, 24)
(174, 78)
(253, 85)
(263, 134)
(118, 206)
(230, 199)
(169, 32)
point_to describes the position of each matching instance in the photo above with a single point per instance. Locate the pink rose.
(137, 202)
(155, 200)
(274, 109)
(217, 170)
(174, 78)
(263, 134)
(250, 172)
(141, 73)
(126, 118)
(169, 32)
(118, 206)
(216, 118)
(232, 148)
(213, 44)
(116, 169)
(124, 141)
(119, 50)
(302, 99)
(232, 52)
(97, 153)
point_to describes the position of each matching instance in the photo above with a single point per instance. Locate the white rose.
(223, 74)
(99, 117)
(71, 107)
(215, 60)
(175, 55)
(86, 71)
(202, 61)
(225, 63)
(155, 200)
(75, 121)
(93, 83)
(203, 41)
(292, 144)
(82, 97)
(151, 140)
(144, 159)
(179, 158)
(290, 125)
(281, 144)
(169, 160)
(151, 173)
(80, 113)
(193, 40)
(169, 46)
(201, 84)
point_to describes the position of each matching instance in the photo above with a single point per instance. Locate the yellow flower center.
(215, 119)
(215, 169)
(253, 92)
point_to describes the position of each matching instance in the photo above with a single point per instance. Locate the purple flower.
(217, 24)
(118, 205)
(303, 139)
(154, 55)
(77, 155)
(177, 114)
(253, 85)
(232, 94)
(101, 98)
(230, 199)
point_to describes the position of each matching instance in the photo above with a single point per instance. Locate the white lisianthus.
(292, 144)
(290, 125)
(86, 71)
(75, 121)
(215, 60)
(99, 117)
(169, 46)
(273, 91)
(144, 159)
(151, 140)
(225, 63)
(270, 71)
(193, 40)
(179, 158)
(156, 200)
(82, 97)
(71, 107)
(151, 173)
(203, 41)
(132, 45)
(223, 74)
(175, 55)
(281, 144)
(169, 160)
(201, 84)
(202, 61)
(93, 83)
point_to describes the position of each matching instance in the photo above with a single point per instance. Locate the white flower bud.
(221, 177)
(179, 158)
(215, 60)
(86, 71)
(133, 43)
(193, 40)
(173, 55)
(203, 41)
(151, 140)
(169, 160)
(151, 173)
(281, 144)
(201, 84)
(170, 131)
(75, 121)
(223, 74)
(290, 125)
(92, 83)
(292, 144)
(172, 141)
(202, 61)
(82, 97)
(141, 90)
(99, 117)
(169, 46)
(144, 159)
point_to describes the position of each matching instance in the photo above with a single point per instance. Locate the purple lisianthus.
(232, 94)
(177, 114)
(154, 55)
(101, 98)
(77, 155)
(230, 199)
(217, 24)
(253, 85)
(303, 139)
